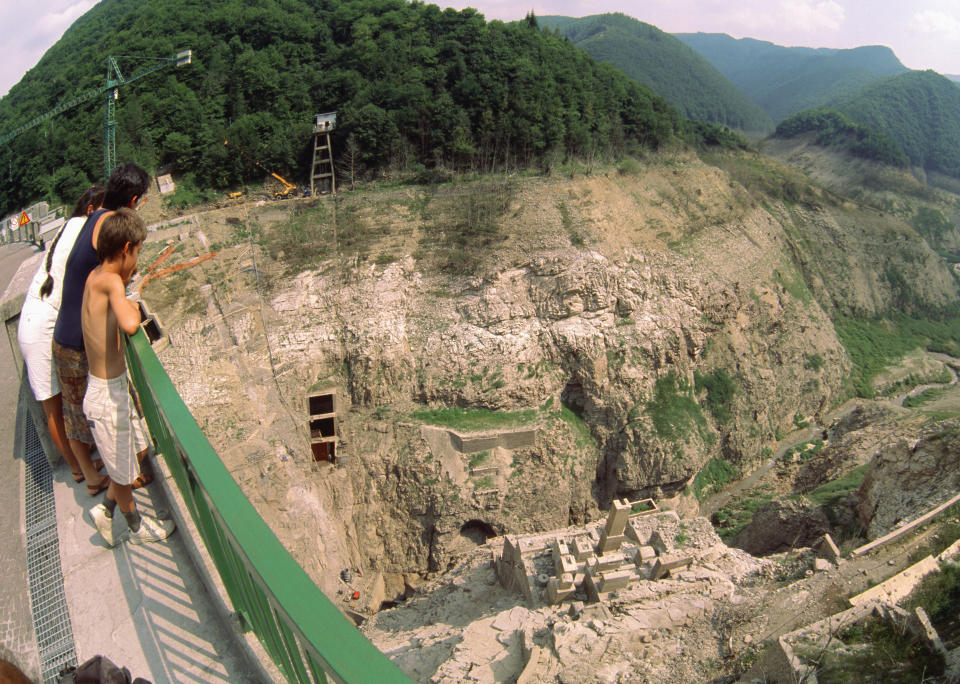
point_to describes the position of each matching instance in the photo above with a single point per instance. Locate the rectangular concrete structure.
(582, 548)
(508, 439)
(898, 586)
(611, 581)
(669, 563)
(611, 561)
(608, 544)
(617, 518)
(827, 549)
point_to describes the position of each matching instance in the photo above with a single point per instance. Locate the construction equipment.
(288, 189)
(115, 79)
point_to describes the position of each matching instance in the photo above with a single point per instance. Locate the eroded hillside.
(635, 324)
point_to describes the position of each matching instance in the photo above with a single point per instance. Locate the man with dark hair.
(127, 182)
(127, 187)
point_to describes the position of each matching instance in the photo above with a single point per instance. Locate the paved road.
(17, 640)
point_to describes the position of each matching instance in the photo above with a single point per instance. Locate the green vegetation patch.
(931, 224)
(829, 493)
(925, 397)
(834, 129)
(736, 515)
(793, 283)
(581, 431)
(475, 420)
(478, 458)
(712, 477)
(674, 411)
(188, 193)
(803, 451)
(873, 344)
(939, 594)
(720, 387)
(877, 652)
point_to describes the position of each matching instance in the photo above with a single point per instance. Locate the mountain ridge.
(792, 79)
(665, 65)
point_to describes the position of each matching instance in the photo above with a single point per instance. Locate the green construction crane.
(115, 79)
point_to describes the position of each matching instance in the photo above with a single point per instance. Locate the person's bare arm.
(126, 311)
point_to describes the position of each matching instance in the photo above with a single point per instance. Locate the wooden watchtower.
(322, 179)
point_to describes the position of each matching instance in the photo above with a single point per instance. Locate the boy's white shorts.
(117, 429)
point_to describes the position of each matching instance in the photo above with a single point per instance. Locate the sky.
(924, 34)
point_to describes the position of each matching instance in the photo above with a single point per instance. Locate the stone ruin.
(555, 568)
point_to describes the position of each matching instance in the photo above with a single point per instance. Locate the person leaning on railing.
(126, 187)
(37, 320)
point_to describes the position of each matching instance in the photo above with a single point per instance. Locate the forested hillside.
(664, 64)
(834, 129)
(911, 118)
(919, 110)
(786, 80)
(414, 87)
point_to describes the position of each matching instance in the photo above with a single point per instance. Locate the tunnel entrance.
(573, 397)
(477, 531)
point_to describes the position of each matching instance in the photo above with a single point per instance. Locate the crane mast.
(111, 92)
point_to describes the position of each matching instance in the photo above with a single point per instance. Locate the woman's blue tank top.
(82, 260)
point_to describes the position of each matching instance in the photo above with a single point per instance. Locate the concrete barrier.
(470, 443)
(898, 586)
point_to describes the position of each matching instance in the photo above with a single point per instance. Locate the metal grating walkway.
(51, 617)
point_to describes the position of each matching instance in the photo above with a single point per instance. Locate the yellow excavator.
(288, 189)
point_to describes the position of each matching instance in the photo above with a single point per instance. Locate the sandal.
(93, 490)
(78, 476)
(143, 479)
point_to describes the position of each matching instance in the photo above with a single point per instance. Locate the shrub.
(831, 492)
(712, 477)
(720, 387)
(673, 410)
(467, 420)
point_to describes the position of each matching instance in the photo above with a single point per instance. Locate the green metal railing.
(303, 632)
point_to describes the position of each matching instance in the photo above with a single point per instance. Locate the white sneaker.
(103, 523)
(152, 530)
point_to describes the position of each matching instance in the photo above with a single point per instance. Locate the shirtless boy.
(118, 432)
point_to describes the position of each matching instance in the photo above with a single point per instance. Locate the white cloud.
(35, 26)
(56, 22)
(936, 23)
(763, 19)
(809, 15)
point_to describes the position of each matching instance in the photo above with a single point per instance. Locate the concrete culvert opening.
(477, 531)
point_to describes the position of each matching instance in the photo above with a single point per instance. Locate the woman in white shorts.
(35, 333)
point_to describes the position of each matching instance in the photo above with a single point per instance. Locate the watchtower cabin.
(321, 176)
(322, 409)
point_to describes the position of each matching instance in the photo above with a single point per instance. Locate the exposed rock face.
(617, 331)
(908, 478)
(782, 524)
